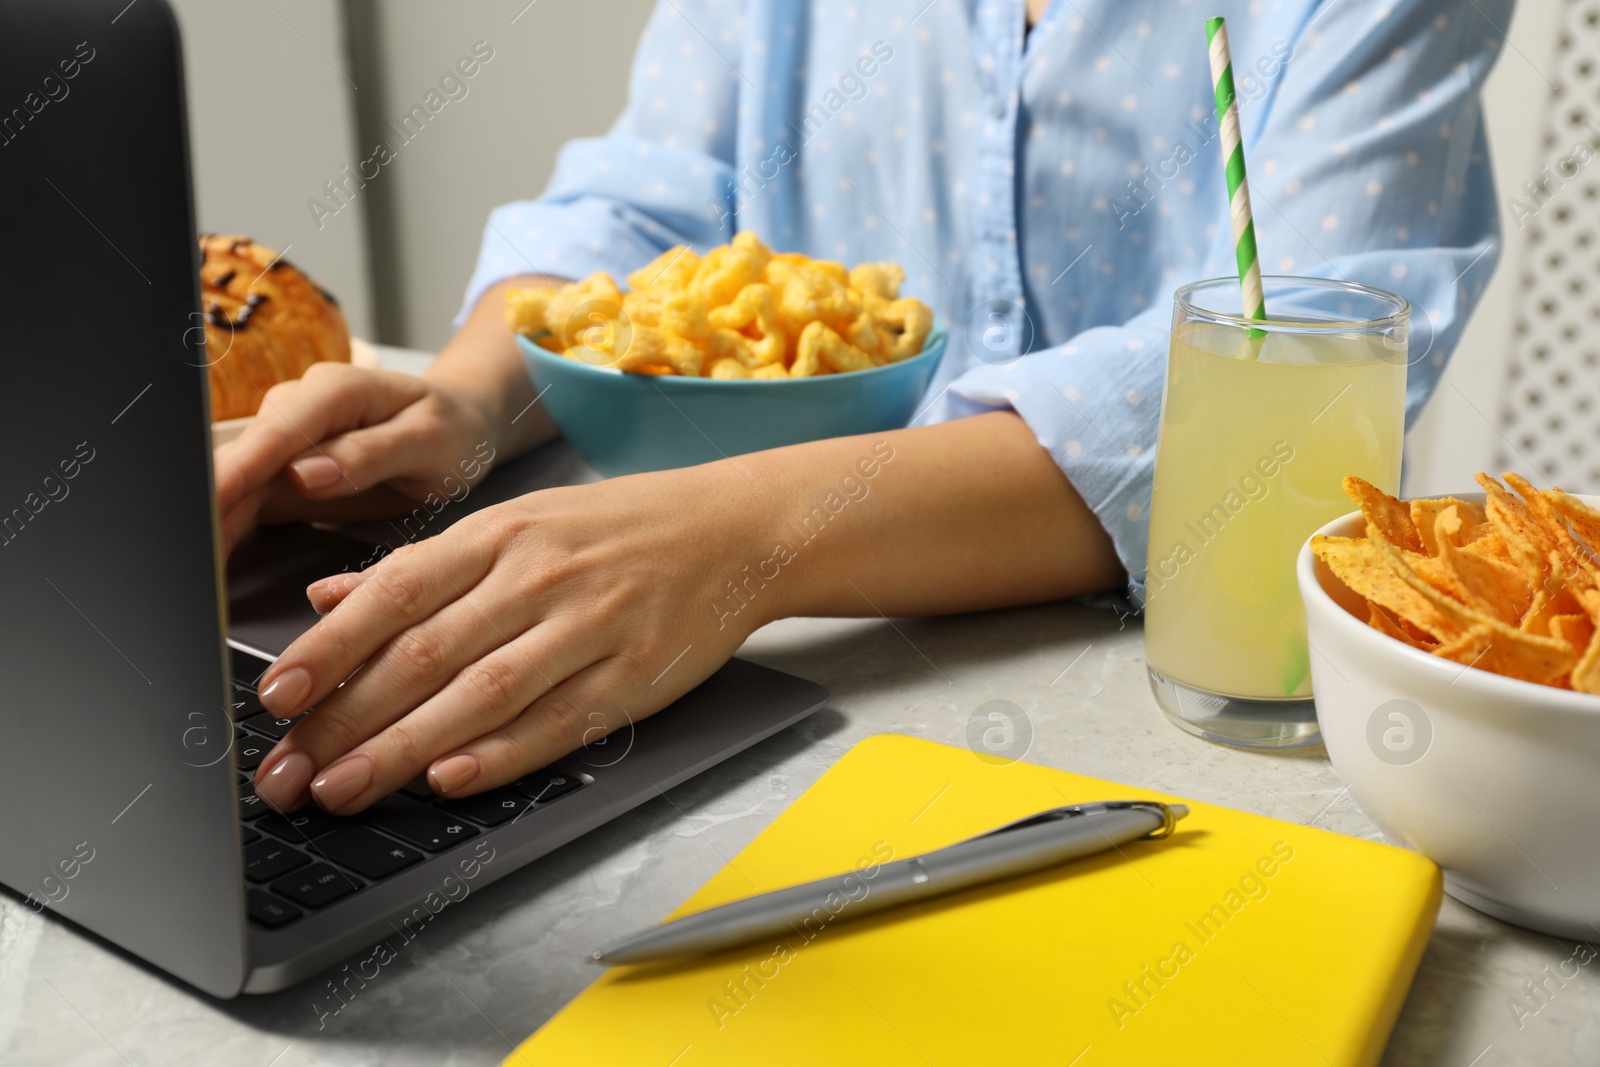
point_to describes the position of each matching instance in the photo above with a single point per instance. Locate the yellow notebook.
(1240, 940)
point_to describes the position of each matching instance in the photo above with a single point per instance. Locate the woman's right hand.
(346, 443)
(341, 432)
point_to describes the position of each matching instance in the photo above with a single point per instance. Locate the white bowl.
(1491, 777)
(362, 354)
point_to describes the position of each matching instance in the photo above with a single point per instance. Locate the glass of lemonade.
(1261, 422)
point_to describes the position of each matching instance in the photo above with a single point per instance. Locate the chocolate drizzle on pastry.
(215, 316)
(253, 301)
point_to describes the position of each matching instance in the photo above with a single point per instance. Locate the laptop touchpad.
(267, 578)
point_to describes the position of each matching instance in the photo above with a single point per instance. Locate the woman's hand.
(514, 637)
(531, 628)
(341, 431)
(345, 443)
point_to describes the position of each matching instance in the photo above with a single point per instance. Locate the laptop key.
(366, 852)
(418, 788)
(250, 805)
(244, 705)
(268, 910)
(418, 824)
(491, 809)
(546, 785)
(303, 825)
(316, 886)
(250, 750)
(266, 724)
(268, 859)
(247, 835)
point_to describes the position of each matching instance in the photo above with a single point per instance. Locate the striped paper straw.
(1244, 228)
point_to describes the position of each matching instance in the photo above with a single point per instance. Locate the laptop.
(128, 720)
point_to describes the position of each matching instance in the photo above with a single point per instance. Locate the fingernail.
(334, 588)
(329, 584)
(284, 783)
(286, 692)
(317, 472)
(343, 783)
(454, 774)
(320, 594)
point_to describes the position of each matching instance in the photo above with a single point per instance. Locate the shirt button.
(997, 108)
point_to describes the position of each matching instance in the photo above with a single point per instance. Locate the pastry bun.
(265, 323)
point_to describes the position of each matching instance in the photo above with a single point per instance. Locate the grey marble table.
(488, 973)
(484, 975)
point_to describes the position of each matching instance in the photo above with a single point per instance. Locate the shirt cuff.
(1095, 405)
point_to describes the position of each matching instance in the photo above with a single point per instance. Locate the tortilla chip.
(1490, 585)
(1510, 586)
(1469, 648)
(1548, 603)
(1392, 517)
(1385, 623)
(1509, 651)
(1576, 630)
(1584, 519)
(1527, 540)
(1572, 560)
(1436, 572)
(1586, 673)
(1358, 563)
(1425, 515)
(1488, 544)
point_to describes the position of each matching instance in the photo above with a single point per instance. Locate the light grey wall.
(1456, 435)
(270, 119)
(559, 71)
(284, 96)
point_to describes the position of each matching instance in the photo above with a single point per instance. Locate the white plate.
(362, 354)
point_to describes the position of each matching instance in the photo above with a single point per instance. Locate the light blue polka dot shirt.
(1047, 189)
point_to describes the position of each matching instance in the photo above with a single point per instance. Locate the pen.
(1020, 847)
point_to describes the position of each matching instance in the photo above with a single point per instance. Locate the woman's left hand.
(531, 628)
(517, 635)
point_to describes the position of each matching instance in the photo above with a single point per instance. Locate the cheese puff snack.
(740, 311)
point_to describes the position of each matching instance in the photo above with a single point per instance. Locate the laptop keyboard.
(298, 862)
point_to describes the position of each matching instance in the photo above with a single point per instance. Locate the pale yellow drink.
(1257, 435)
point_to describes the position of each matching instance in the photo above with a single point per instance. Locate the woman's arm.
(961, 516)
(536, 626)
(482, 365)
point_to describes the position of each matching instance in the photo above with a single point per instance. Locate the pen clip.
(1169, 818)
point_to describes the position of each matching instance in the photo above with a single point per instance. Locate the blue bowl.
(628, 423)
